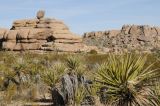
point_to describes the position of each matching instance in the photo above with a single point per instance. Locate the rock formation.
(129, 38)
(48, 34)
(44, 34)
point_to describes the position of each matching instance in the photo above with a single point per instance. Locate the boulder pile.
(41, 33)
(129, 38)
(49, 34)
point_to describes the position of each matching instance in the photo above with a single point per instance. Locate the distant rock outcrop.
(44, 34)
(48, 34)
(129, 38)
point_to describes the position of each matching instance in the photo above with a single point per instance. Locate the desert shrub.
(33, 71)
(125, 81)
(75, 65)
(92, 51)
(80, 94)
(53, 75)
(10, 93)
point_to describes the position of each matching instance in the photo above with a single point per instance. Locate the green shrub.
(93, 51)
(50, 67)
(125, 81)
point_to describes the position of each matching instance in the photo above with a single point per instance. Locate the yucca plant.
(124, 81)
(76, 75)
(72, 62)
(52, 78)
(75, 65)
(8, 76)
(80, 94)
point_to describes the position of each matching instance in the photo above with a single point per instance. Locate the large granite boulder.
(3, 31)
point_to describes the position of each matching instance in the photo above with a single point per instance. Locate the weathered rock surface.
(129, 38)
(44, 34)
(49, 34)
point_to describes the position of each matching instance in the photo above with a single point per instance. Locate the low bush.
(93, 51)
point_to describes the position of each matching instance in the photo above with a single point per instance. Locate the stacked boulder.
(44, 34)
(129, 38)
(2, 33)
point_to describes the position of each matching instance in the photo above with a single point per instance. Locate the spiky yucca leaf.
(53, 75)
(59, 68)
(80, 93)
(126, 81)
(73, 62)
(74, 65)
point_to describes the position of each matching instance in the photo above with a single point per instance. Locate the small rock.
(40, 14)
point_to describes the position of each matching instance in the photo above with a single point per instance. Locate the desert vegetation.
(79, 79)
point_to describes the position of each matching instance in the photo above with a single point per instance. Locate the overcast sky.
(84, 15)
